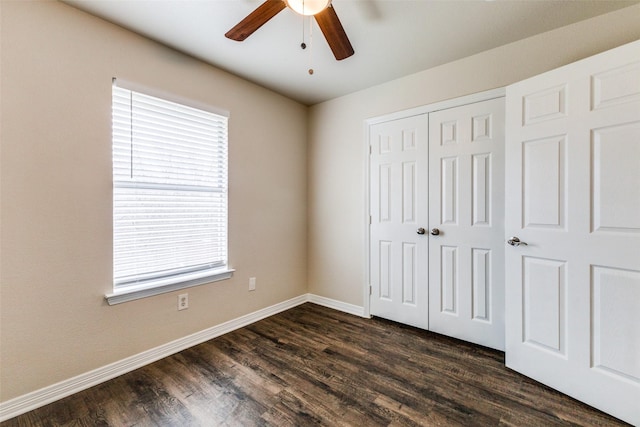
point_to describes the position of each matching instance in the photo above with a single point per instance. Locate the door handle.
(514, 241)
(421, 230)
(434, 232)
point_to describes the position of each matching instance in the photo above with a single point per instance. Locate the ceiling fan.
(322, 11)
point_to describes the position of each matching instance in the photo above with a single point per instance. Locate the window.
(169, 195)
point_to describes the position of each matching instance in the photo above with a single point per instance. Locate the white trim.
(424, 109)
(186, 281)
(356, 310)
(437, 106)
(169, 96)
(36, 399)
(366, 295)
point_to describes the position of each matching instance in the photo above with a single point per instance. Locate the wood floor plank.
(315, 366)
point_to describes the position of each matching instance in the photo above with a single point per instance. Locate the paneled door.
(398, 243)
(466, 217)
(573, 230)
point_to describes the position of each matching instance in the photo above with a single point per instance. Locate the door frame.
(424, 109)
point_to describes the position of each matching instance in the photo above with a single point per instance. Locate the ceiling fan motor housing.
(308, 7)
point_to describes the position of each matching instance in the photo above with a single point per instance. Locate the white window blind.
(169, 191)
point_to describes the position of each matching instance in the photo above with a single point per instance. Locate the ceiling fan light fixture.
(308, 7)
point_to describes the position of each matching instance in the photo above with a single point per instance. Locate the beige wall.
(336, 128)
(55, 200)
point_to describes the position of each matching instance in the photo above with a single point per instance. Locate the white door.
(466, 220)
(398, 208)
(573, 196)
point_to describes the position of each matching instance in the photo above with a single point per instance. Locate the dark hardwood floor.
(315, 366)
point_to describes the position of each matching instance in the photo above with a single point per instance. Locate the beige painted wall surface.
(336, 150)
(55, 199)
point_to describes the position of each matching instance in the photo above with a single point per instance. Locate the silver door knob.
(421, 230)
(435, 232)
(514, 241)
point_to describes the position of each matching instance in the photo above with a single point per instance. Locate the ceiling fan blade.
(333, 31)
(255, 20)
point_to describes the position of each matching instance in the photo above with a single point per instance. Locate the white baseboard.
(36, 399)
(356, 310)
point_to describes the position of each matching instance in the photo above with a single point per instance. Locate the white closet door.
(466, 220)
(398, 209)
(573, 195)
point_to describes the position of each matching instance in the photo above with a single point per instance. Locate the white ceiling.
(391, 38)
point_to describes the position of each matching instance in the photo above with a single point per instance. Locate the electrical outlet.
(183, 301)
(252, 283)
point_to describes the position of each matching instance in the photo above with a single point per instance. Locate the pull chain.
(311, 45)
(303, 45)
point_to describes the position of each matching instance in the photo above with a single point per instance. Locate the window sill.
(148, 290)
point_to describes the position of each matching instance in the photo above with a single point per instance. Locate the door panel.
(615, 321)
(481, 282)
(544, 300)
(398, 255)
(573, 195)
(467, 206)
(481, 196)
(448, 281)
(449, 191)
(544, 193)
(616, 172)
